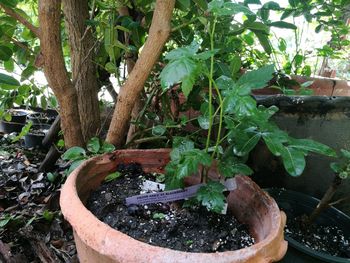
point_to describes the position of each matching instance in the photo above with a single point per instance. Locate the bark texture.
(158, 34)
(56, 72)
(82, 52)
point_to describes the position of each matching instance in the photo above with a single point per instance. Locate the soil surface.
(327, 239)
(165, 225)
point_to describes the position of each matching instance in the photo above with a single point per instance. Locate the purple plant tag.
(173, 195)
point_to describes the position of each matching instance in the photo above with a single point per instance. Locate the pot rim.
(69, 198)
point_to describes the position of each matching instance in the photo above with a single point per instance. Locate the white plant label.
(173, 195)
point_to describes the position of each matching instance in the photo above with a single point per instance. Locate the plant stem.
(325, 201)
(211, 73)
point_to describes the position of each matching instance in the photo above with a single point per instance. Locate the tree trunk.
(56, 72)
(158, 34)
(82, 45)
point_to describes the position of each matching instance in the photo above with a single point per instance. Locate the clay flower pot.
(97, 242)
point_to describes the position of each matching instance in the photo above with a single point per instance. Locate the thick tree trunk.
(82, 43)
(158, 34)
(56, 73)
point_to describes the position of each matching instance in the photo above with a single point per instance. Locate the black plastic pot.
(18, 119)
(40, 118)
(323, 119)
(35, 139)
(295, 204)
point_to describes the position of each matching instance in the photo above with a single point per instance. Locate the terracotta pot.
(321, 87)
(97, 242)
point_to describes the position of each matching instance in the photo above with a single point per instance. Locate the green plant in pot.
(234, 125)
(316, 231)
(229, 114)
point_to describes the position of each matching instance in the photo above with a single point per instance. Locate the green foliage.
(112, 176)
(228, 106)
(342, 166)
(77, 155)
(211, 196)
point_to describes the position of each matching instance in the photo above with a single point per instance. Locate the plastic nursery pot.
(97, 242)
(40, 118)
(323, 119)
(18, 119)
(36, 135)
(295, 204)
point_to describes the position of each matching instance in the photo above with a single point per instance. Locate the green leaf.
(5, 221)
(264, 41)
(190, 162)
(211, 196)
(183, 5)
(257, 79)
(112, 176)
(74, 153)
(312, 146)
(158, 130)
(293, 161)
(9, 3)
(27, 72)
(184, 164)
(257, 26)
(244, 143)
(253, 2)
(51, 177)
(111, 67)
(43, 102)
(235, 64)
(282, 45)
(336, 167)
(93, 145)
(5, 53)
(187, 85)
(188, 51)
(271, 5)
(6, 79)
(245, 106)
(283, 24)
(319, 28)
(202, 4)
(180, 146)
(48, 216)
(220, 8)
(225, 83)
(229, 168)
(287, 13)
(204, 122)
(158, 216)
(9, 65)
(273, 143)
(345, 153)
(178, 70)
(107, 147)
(74, 165)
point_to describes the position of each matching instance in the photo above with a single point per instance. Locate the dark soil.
(165, 225)
(327, 239)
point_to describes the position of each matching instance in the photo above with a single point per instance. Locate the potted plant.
(35, 135)
(316, 231)
(233, 124)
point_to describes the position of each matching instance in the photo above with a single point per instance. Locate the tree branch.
(21, 19)
(158, 35)
(56, 72)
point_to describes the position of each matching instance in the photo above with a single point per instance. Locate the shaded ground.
(32, 228)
